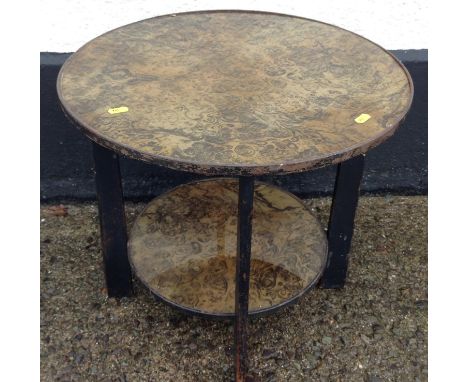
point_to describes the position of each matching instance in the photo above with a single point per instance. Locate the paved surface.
(375, 329)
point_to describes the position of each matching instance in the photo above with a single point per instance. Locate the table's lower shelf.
(183, 248)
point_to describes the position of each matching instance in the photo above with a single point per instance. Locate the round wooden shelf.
(235, 92)
(183, 248)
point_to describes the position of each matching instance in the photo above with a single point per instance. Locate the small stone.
(269, 354)
(297, 365)
(59, 210)
(312, 360)
(377, 328)
(366, 339)
(373, 320)
(327, 340)
(79, 358)
(421, 303)
(396, 331)
(270, 376)
(149, 318)
(137, 356)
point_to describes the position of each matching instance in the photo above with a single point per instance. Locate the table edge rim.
(203, 168)
(255, 312)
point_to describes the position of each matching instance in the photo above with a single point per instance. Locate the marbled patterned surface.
(183, 247)
(233, 92)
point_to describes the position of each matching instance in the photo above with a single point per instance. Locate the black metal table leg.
(244, 239)
(341, 223)
(112, 219)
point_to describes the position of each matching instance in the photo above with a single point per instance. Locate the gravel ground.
(375, 329)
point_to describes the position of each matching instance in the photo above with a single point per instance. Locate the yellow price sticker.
(362, 118)
(117, 110)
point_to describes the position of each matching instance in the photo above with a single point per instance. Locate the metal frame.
(112, 221)
(259, 312)
(244, 241)
(341, 221)
(114, 237)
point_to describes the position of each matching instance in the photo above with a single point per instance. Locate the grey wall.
(398, 166)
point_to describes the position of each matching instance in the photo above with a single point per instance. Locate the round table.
(236, 94)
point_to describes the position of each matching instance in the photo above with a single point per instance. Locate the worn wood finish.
(183, 247)
(235, 92)
(112, 222)
(341, 222)
(244, 246)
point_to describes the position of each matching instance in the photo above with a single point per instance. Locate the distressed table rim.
(236, 169)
